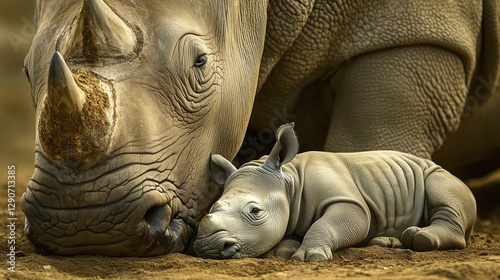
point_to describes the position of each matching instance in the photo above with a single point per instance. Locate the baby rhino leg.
(285, 249)
(452, 213)
(384, 241)
(342, 224)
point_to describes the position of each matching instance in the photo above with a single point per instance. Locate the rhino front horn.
(63, 94)
(100, 33)
(76, 123)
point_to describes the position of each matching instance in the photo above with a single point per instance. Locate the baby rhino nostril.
(229, 249)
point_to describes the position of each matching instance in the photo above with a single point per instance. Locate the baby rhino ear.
(221, 168)
(285, 149)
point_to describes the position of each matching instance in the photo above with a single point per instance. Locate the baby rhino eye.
(255, 211)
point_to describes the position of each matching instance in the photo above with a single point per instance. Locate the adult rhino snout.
(146, 222)
(77, 119)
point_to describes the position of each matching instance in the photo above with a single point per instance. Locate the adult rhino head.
(131, 98)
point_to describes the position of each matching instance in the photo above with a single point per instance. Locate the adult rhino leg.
(486, 190)
(451, 212)
(407, 99)
(472, 153)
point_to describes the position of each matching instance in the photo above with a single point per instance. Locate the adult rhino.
(132, 97)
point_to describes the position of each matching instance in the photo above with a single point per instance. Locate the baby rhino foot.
(316, 254)
(419, 239)
(285, 249)
(433, 237)
(383, 241)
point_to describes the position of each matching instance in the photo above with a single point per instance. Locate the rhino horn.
(75, 127)
(101, 33)
(63, 94)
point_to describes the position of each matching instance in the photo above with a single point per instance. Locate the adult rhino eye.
(25, 70)
(201, 60)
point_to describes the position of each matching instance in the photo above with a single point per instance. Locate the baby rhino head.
(251, 216)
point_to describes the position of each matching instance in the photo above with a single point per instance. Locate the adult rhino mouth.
(147, 219)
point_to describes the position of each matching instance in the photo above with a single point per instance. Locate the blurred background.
(17, 127)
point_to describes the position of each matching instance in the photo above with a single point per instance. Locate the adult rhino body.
(132, 97)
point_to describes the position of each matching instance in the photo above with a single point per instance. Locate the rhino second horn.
(104, 32)
(63, 94)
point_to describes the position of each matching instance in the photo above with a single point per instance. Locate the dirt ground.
(481, 260)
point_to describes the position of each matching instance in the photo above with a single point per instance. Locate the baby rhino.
(305, 206)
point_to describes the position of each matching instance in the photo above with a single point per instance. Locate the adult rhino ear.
(285, 149)
(221, 168)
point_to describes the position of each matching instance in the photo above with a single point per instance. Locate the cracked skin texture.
(367, 75)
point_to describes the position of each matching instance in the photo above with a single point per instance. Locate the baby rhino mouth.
(218, 245)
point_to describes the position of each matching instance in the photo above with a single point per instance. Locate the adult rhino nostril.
(157, 218)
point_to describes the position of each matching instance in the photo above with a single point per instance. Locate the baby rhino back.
(393, 186)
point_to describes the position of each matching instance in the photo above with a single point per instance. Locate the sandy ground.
(481, 260)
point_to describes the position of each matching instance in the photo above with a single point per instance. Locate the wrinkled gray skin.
(125, 110)
(331, 201)
(131, 98)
